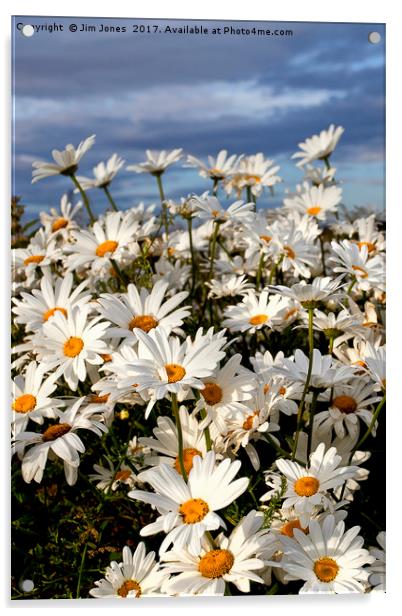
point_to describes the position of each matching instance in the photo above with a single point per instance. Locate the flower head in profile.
(104, 173)
(157, 161)
(328, 559)
(139, 575)
(210, 208)
(315, 201)
(254, 172)
(378, 568)
(65, 161)
(319, 147)
(187, 510)
(61, 222)
(217, 168)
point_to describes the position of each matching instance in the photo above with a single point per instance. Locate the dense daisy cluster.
(243, 349)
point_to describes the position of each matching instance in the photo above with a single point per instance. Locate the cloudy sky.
(203, 93)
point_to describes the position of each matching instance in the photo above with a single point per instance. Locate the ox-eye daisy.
(36, 258)
(103, 173)
(319, 147)
(138, 575)
(319, 290)
(329, 559)
(308, 486)
(378, 568)
(61, 440)
(254, 173)
(34, 309)
(187, 510)
(209, 208)
(217, 168)
(66, 161)
(157, 161)
(325, 371)
(166, 366)
(61, 223)
(110, 478)
(315, 201)
(254, 312)
(233, 559)
(69, 343)
(32, 397)
(144, 310)
(367, 272)
(107, 239)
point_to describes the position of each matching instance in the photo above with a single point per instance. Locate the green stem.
(207, 433)
(272, 273)
(311, 422)
(251, 198)
(163, 204)
(279, 449)
(84, 198)
(84, 553)
(176, 414)
(308, 377)
(371, 426)
(259, 271)
(326, 161)
(215, 187)
(111, 200)
(350, 287)
(118, 273)
(193, 264)
(213, 250)
(324, 269)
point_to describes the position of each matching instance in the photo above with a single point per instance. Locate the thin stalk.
(163, 204)
(215, 187)
(110, 198)
(84, 197)
(193, 264)
(311, 422)
(273, 271)
(207, 433)
(212, 253)
(118, 272)
(324, 269)
(251, 198)
(371, 426)
(259, 271)
(308, 378)
(279, 449)
(175, 409)
(326, 161)
(350, 287)
(84, 553)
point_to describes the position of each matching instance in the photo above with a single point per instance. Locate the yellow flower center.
(267, 387)
(60, 223)
(254, 179)
(289, 252)
(33, 259)
(282, 391)
(290, 313)
(248, 423)
(188, 454)
(258, 319)
(73, 346)
(306, 486)
(326, 569)
(174, 372)
(106, 357)
(105, 247)
(360, 271)
(266, 238)
(143, 321)
(122, 475)
(314, 210)
(216, 173)
(215, 213)
(370, 246)
(49, 313)
(193, 510)
(216, 563)
(345, 404)
(170, 251)
(94, 399)
(212, 393)
(56, 431)
(127, 587)
(24, 403)
(288, 528)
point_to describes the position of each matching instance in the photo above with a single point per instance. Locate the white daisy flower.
(315, 201)
(224, 392)
(350, 401)
(105, 240)
(229, 285)
(32, 399)
(36, 258)
(307, 487)
(319, 147)
(166, 366)
(369, 235)
(210, 208)
(59, 439)
(319, 290)
(255, 172)
(187, 510)
(66, 161)
(36, 308)
(157, 161)
(61, 223)
(254, 312)
(340, 327)
(137, 576)
(375, 359)
(325, 372)
(234, 560)
(109, 479)
(165, 443)
(70, 343)
(378, 568)
(369, 272)
(217, 168)
(327, 559)
(319, 175)
(104, 173)
(142, 310)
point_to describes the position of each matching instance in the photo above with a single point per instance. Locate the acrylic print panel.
(198, 239)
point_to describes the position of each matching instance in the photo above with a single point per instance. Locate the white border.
(294, 10)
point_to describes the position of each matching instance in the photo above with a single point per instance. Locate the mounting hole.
(27, 585)
(28, 30)
(374, 37)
